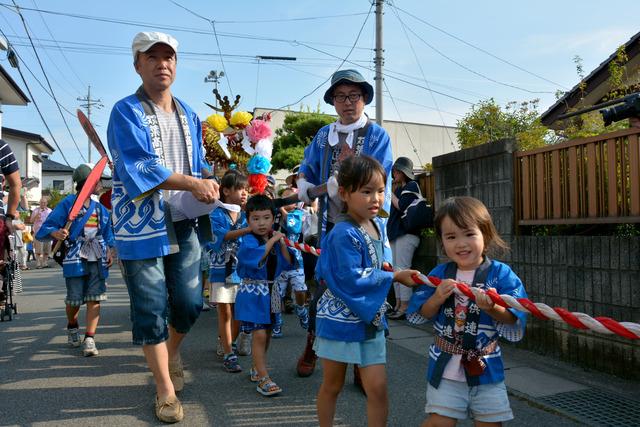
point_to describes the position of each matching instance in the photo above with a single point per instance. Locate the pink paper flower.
(258, 129)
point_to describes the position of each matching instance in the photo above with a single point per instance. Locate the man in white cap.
(155, 140)
(351, 135)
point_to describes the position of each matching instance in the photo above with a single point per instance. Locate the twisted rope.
(302, 246)
(603, 325)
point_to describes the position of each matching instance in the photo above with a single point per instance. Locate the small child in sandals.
(261, 258)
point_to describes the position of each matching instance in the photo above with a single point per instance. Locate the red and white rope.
(302, 246)
(603, 325)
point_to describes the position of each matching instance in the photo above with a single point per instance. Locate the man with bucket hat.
(351, 135)
(155, 140)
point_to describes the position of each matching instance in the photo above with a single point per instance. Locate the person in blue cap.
(352, 134)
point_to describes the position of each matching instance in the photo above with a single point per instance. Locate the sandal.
(253, 375)
(267, 387)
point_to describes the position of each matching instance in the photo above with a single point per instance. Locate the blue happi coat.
(253, 300)
(139, 222)
(356, 287)
(377, 144)
(505, 281)
(73, 265)
(222, 251)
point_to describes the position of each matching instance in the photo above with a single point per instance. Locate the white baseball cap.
(143, 41)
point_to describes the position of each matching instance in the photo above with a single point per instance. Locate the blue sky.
(540, 37)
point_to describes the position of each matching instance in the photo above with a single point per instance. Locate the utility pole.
(87, 106)
(379, 61)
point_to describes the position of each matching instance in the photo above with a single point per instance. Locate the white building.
(418, 141)
(28, 148)
(57, 176)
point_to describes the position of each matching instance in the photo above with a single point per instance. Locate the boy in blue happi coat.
(261, 258)
(86, 264)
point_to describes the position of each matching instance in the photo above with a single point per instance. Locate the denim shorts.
(455, 399)
(90, 287)
(248, 327)
(165, 289)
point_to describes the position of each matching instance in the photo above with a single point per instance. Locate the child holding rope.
(261, 258)
(465, 371)
(351, 312)
(228, 229)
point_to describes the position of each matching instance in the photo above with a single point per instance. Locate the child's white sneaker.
(89, 347)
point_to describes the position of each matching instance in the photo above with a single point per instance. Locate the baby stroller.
(8, 306)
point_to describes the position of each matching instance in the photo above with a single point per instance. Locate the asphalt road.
(45, 383)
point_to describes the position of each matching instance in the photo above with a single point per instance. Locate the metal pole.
(89, 117)
(379, 60)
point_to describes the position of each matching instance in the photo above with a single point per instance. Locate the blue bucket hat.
(348, 77)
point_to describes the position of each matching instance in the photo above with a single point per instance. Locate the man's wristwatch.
(9, 216)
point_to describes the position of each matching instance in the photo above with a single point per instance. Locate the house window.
(58, 184)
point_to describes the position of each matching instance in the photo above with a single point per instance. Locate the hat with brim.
(352, 77)
(81, 173)
(145, 40)
(291, 179)
(405, 165)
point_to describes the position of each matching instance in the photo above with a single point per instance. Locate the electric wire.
(459, 64)
(476, 47)
(426, 82)
(71, 67)
(26, 29)
(339, 66)
(35, 104)
(404, 125)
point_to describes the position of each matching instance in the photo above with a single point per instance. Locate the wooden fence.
(582, 181)
(427, 183)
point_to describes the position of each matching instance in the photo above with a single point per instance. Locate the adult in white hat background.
(351, 135)
(155, 141)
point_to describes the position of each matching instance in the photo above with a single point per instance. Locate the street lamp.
(214, 77)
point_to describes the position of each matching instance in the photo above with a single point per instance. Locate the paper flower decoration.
(218, 122)
(240, 119)
(264, 147)
(258, 130)
(258, 165)
(257, 183)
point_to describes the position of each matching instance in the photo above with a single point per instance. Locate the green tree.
(487, 122)
(55, 196)
(296, 133)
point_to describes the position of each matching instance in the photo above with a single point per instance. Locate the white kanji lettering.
(447, 331)
(471, 328)
(448, 312)
(473, 308)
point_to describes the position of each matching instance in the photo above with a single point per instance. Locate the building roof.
(10, 92)
(596, 86)
(49, 165)
(28, 135)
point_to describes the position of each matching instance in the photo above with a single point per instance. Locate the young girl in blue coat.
(351, 312)
(86, 265)
(466, 374)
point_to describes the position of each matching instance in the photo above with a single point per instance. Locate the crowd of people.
(339, 298)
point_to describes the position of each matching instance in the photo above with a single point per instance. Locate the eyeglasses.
(353, 97)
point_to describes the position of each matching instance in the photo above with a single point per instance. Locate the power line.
(307, 18)
(167, 27)
(433, 98)
(341, 63)
(484, 76)
(33, 99)
(427, 107)
(61, 52)
(476, 47)
(26, 29)
(415, 150)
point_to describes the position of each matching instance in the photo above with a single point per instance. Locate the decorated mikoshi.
(239, 140)
(603, 325)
